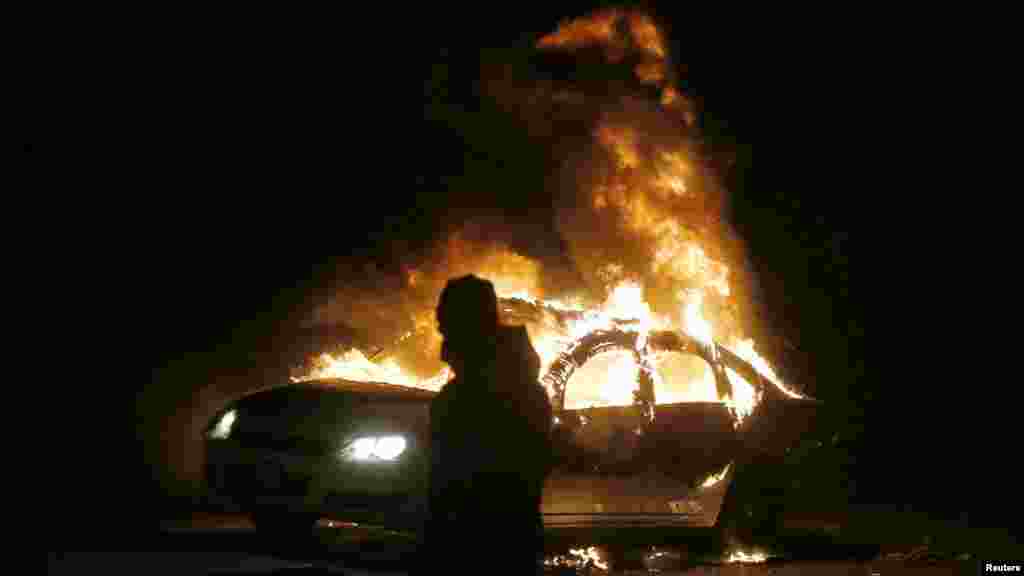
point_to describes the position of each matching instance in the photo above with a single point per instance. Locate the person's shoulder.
(516, 341)
(539, 390)
(539, 395)
(514, 333)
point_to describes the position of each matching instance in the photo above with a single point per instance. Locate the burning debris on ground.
(582, 560)
(742, 557)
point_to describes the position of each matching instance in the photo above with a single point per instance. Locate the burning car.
(359, 450)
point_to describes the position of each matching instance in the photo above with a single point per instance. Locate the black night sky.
(264, 142)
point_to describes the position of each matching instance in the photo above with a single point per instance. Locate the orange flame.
(713, 479)
(583, 557)
(739, 556)
(589, 555)
(670, 96)
(646, 34)
(651, 72)
(617, 31)
(651, 180)
(597, 29)
(608, 380)
(621, 141)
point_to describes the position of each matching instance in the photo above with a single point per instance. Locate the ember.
(578, 558)
(715, 478)
(740, 556)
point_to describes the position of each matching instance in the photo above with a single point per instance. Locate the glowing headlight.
(389, 447)
(223, 428)
(375, 448)
(362, 448)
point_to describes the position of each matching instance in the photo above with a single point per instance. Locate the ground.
(874, 542)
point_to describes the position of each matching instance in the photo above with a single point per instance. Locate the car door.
(638, 464)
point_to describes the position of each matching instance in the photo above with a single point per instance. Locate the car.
(292, 453)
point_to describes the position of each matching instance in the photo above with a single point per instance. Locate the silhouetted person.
(490, 441)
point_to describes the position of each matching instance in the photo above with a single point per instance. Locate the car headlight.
(223, 428)
(374, 448)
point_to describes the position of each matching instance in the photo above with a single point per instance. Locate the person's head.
(467, 317)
